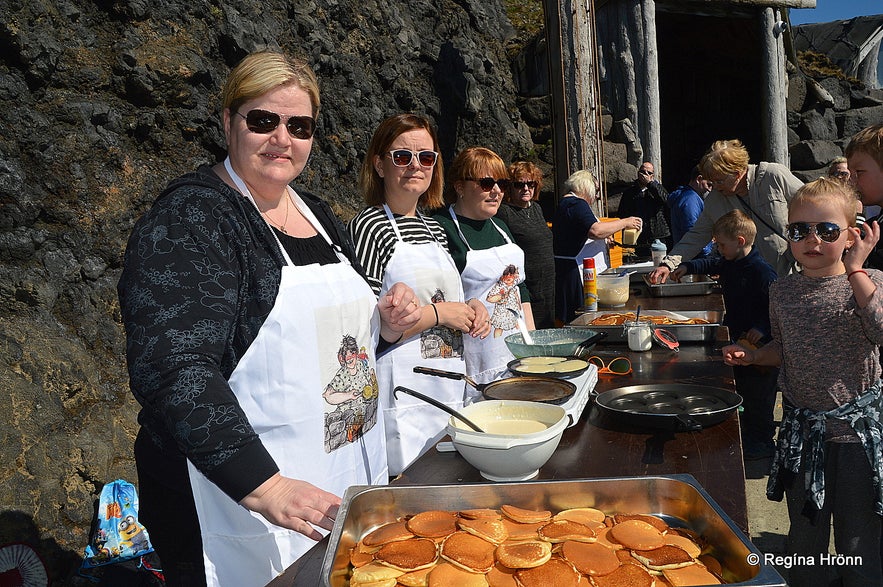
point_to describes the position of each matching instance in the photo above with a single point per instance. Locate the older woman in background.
(762, 191)
(395, 242)
(491, 264)
(573, 224)
(523, 215)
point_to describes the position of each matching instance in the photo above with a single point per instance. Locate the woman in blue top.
(573, 223)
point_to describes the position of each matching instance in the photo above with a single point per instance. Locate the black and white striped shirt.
(375, 239)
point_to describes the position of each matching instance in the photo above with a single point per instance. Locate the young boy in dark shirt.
(746, 279)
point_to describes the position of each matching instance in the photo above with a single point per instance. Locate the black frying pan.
(526, 388)
(668, 406)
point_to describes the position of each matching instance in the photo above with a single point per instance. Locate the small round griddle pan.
(669, 406)
(522, 368)
(527, 388)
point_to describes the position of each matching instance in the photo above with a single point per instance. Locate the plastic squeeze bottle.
(658, 251)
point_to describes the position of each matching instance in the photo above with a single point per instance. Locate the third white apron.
(413, 426)
(485, 278)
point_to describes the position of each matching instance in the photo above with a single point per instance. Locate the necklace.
(284, 222)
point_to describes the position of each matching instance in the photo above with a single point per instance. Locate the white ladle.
(522, 327)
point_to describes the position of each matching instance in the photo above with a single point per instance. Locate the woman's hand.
(659, 275)
(633, 222)
(678, 273)
(481, 324)
(399, 310)
(735, 354)
(294, 504)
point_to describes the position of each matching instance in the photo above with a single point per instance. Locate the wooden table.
(592, 448)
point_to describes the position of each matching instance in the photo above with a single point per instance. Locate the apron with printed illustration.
(308, 387)
(488, 276)
(412, 426)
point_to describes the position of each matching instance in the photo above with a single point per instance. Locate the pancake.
(570, 366)
(589, 516)
(561, 530)
(636, 534)
(625, 576)
(374, 575)
(519, 531)
(678, 540)
(488, 529)
(711, 563)
(408, 555)
(556, 572)
(359, 558)
(418, 578)
(501, 576)
(523, 555)
(387, 533)
(480, 513)
(540, 360)
(525, 516)
(468, 552)
(654, 521)
(447, 575)
(664, 557)
(590, 558)
(433, 524)
(601, 537)
(695, 574)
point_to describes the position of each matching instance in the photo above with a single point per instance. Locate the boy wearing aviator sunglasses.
(827, 324)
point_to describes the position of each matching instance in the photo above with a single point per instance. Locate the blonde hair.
(734, 224)
(830, 191)
(263, 71)
(473, 163)
(373, 189)
(868, 140)
(518, 170)
(582, 182)
(724, 157)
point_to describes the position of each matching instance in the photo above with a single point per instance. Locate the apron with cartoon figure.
(308, 387)
(488, 276)
(412, 426)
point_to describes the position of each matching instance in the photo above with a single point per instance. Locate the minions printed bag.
(118, 536)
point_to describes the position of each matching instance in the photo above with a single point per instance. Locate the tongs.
(584, 349)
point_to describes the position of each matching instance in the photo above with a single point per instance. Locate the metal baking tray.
(698, 285)
(684, 332)
(679, 499)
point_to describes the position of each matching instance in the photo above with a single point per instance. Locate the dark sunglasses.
(827, 231)
(404, 157)
(520, 185)
(616, 366)
(487, 183)
(264, 122)
(645, 172)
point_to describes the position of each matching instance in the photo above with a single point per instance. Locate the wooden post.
(576, 105)
(774, 114)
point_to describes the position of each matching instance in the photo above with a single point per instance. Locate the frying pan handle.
(685, 423)
(439, 373)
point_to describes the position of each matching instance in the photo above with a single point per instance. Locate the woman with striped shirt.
(394, 242)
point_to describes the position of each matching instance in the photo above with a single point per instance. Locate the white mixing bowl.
(505, 454)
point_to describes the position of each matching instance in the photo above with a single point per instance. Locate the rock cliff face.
(103, 103)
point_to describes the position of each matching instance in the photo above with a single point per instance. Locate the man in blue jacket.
(685, 204)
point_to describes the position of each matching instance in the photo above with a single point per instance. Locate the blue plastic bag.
(118, 536)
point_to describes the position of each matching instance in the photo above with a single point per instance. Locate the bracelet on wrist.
(851, 273)
(434, 309)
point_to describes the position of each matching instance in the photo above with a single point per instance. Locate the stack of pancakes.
(517, 547)
(620, 318)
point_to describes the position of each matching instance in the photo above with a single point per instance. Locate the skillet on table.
(668, 406)
(526, 388)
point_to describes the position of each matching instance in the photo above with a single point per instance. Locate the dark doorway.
(710, 87)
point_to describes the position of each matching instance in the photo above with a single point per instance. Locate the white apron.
(413, 426)
(283, 383)
(486, 360)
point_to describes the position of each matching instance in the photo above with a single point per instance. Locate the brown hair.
(518, 170)
(725, 157)
(870, 141)
(829, 190)
(263, 71)
(473, 163)
(371, 183)
(734, 224)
